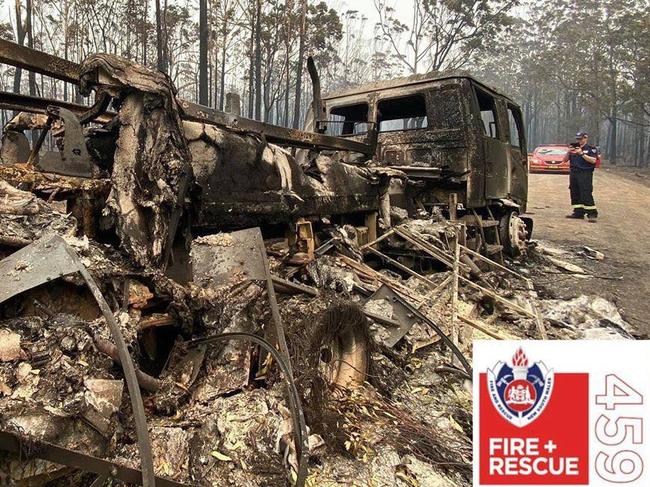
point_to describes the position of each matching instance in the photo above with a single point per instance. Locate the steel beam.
(38, 62)
(34, 104)
(55, 67)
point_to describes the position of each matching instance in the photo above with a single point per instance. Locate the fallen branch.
(289, 287)
(480, 327)
(494, 263)
(145, 381)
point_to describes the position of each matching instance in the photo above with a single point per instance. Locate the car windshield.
(551, 151)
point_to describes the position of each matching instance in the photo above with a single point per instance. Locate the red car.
(549, 158)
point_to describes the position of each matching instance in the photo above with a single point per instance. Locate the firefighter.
(582, 158)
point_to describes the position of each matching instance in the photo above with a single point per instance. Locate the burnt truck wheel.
(513, 234)
(343, 345)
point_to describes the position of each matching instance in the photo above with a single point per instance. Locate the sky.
(402, 8)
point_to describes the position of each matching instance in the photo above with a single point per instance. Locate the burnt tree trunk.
(300, 67)
(215, 86)
(287, 63)
(258, 60)
(287, 88)
(613, 136)
(160, 42)
(20, 39)
(203, 52)
(251, 63)
(222, 74)
(144, 33)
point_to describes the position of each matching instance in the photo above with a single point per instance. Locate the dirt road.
(622, 234)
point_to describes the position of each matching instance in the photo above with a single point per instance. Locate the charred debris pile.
(185, 304)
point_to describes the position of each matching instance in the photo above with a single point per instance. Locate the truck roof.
(414, 79)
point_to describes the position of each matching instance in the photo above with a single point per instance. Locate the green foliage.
(578, 65)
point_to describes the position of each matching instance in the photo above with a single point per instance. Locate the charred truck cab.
(455, 138)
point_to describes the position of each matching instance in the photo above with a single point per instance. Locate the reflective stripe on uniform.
(578, 206)
(589, 207)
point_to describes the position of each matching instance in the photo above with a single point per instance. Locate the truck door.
(495, 149)
(518, 157)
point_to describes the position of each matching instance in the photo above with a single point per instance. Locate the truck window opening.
(348, 120)
(514, 120)
(488, 111)
(406, 113)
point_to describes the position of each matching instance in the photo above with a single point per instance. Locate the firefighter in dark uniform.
(582, 158)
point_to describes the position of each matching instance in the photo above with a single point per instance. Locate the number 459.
(623, 466)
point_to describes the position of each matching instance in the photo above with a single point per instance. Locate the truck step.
(471, 221)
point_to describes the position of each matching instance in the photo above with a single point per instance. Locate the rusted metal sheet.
(385, 303)
(32, 266)
(227, 258)
(240, 256)
(55, 67)
(403, 310)
(74, 159)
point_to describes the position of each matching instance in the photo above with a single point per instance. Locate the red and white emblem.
(520, 390)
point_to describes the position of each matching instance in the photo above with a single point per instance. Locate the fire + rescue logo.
(520, 391)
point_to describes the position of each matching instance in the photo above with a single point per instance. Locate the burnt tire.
(343, 345)
(513, 234)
